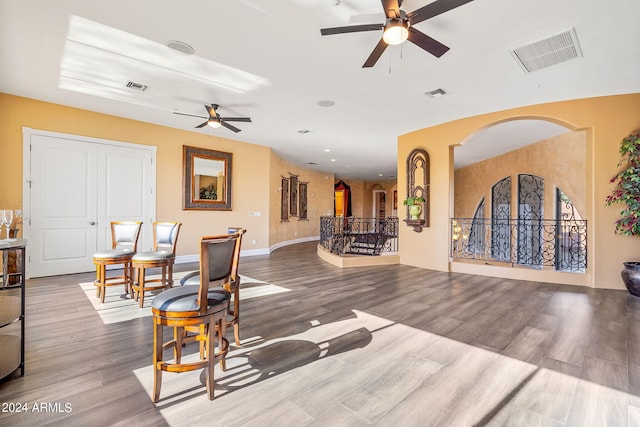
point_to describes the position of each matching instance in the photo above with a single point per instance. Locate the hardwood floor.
(324, 346)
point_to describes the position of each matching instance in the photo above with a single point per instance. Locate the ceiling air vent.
(550, 51)
(137, 86)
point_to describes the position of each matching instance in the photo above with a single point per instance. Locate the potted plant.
(415, 207)
(627, 192)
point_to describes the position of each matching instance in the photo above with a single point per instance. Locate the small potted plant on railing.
(627, 192)
(415, 207)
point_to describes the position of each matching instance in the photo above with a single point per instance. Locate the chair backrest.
(165, 236)
(217, 262)
(240, 231)
(125, 234)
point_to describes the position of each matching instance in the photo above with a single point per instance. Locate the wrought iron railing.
(362, 236)
(558, 244)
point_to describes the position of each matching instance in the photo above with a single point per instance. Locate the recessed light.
(327, 150)
(181, 47)
(311, 163)
(380, 174)
(326, 103)
(333, 160)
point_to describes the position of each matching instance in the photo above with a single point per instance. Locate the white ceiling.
(267, 60)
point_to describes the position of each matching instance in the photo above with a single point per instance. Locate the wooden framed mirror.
(206, 179)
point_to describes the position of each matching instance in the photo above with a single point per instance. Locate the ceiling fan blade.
(391, 8)
(202, 125)
(236, 119)
(190, 115)
(376, 54)
(422, 40)
(212, 110)
(351, 29)
(228, 126)
(434, 9)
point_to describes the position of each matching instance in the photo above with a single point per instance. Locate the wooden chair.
(165, 239)
(200, 310)
(233, 286)
(124, 243)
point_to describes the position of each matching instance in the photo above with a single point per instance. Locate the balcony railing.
(360, 236)
(546, 243)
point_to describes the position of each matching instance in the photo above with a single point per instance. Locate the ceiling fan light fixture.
(214, 123)
(396, 32)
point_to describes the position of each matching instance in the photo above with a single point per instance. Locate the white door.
(126, 191)
(74, 187)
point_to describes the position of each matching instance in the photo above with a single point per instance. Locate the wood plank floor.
(324, 346)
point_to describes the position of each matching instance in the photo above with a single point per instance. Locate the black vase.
(631, 277)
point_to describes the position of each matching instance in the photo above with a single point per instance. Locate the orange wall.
(606, 121)
(250, 179)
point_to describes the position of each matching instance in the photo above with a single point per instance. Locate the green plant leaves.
(627, 187)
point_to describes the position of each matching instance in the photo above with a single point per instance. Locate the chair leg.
(103, 282)
(202, 332)
(236, 316)
(98, 281)
(170, 275)
(127, 278)
(140, 295)
(211, 332)
(221, 330)
(157, 358)
(178, 334)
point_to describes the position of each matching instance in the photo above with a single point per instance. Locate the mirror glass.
(207, 179)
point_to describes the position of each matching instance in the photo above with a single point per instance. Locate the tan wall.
(319, 202)
(251, 183)
(561, 161)
(606, 120)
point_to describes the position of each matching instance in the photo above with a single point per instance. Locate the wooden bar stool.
(200, 310)
(165, 238)
(232, 286)
(124, 243)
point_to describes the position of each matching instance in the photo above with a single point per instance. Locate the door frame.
(28, 132)
(376, 203)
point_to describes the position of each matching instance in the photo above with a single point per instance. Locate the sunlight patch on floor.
(117, 308)
(373, 370)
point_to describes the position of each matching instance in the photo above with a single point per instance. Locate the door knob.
(92, 223)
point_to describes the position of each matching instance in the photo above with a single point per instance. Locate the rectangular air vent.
(550, 51)
(137, 86)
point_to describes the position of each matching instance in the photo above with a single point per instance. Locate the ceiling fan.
(215, 121)
(399, 27)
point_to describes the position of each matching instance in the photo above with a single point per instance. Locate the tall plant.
(627, 189)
